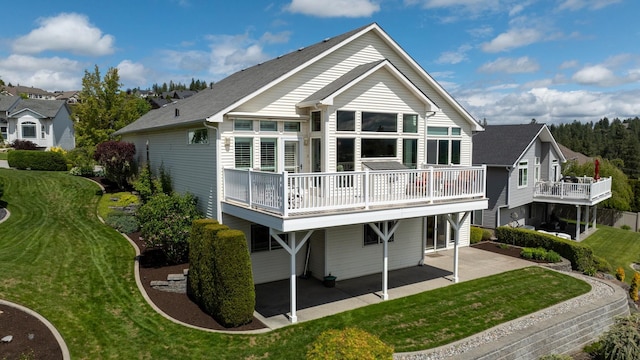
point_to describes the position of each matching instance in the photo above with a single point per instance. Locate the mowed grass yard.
(59, 260)
(619, 247)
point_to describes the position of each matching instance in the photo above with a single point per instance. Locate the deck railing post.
(366, 188)
(484, 180)
(284, 206)
(249, 188)
(431, 183)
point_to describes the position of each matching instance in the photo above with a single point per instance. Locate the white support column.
(385, 235)
(578, 208)
(595, 216)
(455, 224)
(586, 219)
(292, 249)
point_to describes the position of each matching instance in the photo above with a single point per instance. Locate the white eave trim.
(256, 116)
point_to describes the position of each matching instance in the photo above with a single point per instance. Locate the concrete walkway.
(4, 164)
(316, 301)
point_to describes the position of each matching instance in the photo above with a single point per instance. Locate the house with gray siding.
(524, 179)
(343, 158)
(47, 123)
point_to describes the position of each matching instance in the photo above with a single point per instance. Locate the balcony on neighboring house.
(304, 195)
(578, 191)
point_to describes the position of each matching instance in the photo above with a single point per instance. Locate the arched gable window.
(29, 129)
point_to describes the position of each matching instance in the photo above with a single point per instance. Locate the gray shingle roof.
(47, 108)
(502, 145)
(228, 91)
(6, 102)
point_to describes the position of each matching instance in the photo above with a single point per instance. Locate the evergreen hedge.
(580, 255)
(233, 278)
(200, 259)
(37, 160)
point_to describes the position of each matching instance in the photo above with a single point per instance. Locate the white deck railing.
(584, 189)
(299, 193)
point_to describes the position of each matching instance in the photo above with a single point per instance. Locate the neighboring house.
(524, 178)
(71, 97)
(178, 94)
(29, 92)
(343, 158)
(571, 155)
(47, 123)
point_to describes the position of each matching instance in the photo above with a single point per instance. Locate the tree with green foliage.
(621, 192)
(104, 108)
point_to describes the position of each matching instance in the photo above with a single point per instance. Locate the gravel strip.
(598, 291)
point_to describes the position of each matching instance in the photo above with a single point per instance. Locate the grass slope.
(58, 259)
(619, 247)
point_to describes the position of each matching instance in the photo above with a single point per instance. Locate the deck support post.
(579, 209)
(595, 216)
(292, 248)
(586, 219)
(385, 234)
(456, 223)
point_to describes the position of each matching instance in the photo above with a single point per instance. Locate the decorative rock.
(31, 336)
(185, 272)
(7, 339)
(155, 283)
(175, 277)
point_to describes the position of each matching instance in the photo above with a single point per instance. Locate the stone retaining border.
(54, 331)
(561, 329)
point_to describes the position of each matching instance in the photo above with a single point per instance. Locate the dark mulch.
(153, 266)
(31, 338)
(499, 248)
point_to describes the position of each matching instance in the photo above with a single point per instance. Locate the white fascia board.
(38, 115)
(256, 116)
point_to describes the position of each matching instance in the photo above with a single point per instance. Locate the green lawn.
(58, 259)
(619, 247)
(3, 155)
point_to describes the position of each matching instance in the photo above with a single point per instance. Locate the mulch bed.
(31, 338)
(503, 249)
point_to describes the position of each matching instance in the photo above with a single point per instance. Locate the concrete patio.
(315, 300)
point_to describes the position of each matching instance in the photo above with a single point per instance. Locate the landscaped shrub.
(540, 254)
(486, 234)
(124, 223)
(233, 278)
(580, 255)
(621, 341)
(476, 235)
(602, 265)
(620, 274)
(81, 161)
(36, 160)
(23, 145)
(117, 159)
(201, 261)
(635, 283)
(348, 344)
(165, 221)
(625, 227)
(144, 183)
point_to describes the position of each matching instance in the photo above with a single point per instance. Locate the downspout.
(218, 172)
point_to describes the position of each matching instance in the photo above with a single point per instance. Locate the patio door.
(291, 156)
(436, 233)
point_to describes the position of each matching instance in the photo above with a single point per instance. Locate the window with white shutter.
(268, 154)
(243, 153)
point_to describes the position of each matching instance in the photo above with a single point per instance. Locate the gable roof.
(45, 108)
(6, 102)
(574, 155)
(504, 145)
(214, 102)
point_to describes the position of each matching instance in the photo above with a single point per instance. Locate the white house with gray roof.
(524, 179)
(344, 158)
(47, 123)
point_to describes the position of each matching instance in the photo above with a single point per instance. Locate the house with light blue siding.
(344, 157)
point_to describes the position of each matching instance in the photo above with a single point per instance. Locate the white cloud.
(46, 73)
(66, 32)
(230, 53)
(574, 5)
(598, 75)
(334, 8)
(569, 64)
(132, 74)
(512, 39)
(510, 66)
(278, 38)
(454, 57)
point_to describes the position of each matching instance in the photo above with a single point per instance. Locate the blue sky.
(504, 60)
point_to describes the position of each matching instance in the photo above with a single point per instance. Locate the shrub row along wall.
(36, 160)
(581, 256)
(220, 278)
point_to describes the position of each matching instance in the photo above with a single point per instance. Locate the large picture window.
(243, 153)
(374, 148)
(345, 154)
(29, 130)
(445, 150)
(379, 122)
(346, 120)
(261, 241)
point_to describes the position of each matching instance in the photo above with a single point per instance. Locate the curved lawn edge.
(63, 346)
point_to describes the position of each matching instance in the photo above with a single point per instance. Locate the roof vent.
(326, 39)
(177, 112)
(300, 49)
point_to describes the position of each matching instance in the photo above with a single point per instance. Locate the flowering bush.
(117, 159)
(349, 343)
